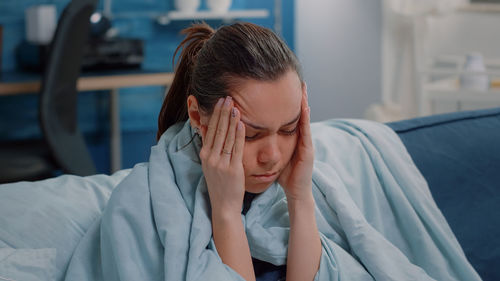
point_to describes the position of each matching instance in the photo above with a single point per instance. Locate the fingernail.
(228, 100)
(240, 125)
(219, 102)
(234, 111)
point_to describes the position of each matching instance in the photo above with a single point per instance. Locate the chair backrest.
(58, 97)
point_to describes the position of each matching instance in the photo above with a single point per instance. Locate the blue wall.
(139, 106)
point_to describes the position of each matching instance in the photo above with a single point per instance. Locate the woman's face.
(270, 112)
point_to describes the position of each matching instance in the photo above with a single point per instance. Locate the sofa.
(459, 156)
(42, 222)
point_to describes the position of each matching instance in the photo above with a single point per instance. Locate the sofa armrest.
(459, 156)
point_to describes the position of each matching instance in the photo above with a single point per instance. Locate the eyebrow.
(257, 127)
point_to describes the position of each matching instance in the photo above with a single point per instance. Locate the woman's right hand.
(221, 158)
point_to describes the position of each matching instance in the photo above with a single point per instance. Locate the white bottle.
(187, 6)
(41, 22)
(219, 6)
(470, 80)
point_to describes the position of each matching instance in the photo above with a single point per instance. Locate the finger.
(221, 132)
(212, 124)
(203, 132)
(231, 133)
(239, 143)
(305, 96)
(305, 120)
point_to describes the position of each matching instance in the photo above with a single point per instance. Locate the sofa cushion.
(27, 264)
(459, 155)
(53, 213)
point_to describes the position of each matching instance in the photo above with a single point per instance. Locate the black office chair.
(63, 147)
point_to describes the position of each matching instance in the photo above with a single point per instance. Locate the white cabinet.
(442, 44)
(440, 89)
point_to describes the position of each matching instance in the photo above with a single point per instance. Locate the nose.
(269, 153)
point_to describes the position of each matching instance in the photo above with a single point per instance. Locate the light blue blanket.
(375, 214)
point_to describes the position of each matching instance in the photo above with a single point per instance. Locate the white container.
(219, 6)
(474, 63)
(41, 22)
(187, 6)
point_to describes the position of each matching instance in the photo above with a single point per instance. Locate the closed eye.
(250, 138)
(283, 132)
(260, 128)
(291, 132)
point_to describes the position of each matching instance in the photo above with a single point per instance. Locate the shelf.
(449, 90)
(465, 96)
(481, 7)
(208, 15)
(448, 71)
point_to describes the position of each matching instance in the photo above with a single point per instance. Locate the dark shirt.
(264, 271)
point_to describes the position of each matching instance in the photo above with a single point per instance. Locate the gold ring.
(226, 152)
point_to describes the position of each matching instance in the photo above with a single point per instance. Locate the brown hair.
(211, 60)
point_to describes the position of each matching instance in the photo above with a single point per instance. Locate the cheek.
(287, 146)
(248, 157)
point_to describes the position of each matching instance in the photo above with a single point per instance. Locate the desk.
(16, 83)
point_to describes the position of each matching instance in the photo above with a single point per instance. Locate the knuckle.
(220, 130)
(212, 161)
(221, 167)
(225, 109)
(203, 154)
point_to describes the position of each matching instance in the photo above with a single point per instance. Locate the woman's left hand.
(296, 178)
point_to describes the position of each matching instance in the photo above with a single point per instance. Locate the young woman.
(234, 189)
(242, 91)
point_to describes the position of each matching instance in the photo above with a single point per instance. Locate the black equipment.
(98, 54)
(63, 147)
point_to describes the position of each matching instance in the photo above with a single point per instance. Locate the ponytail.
(174, 108)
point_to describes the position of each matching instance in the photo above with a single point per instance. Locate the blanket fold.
(375, 213)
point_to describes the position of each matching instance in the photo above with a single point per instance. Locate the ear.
(194, 112)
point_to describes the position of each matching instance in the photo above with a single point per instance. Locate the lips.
(266, 174)
(267, 177)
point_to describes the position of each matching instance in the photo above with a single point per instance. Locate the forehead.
(269, 104)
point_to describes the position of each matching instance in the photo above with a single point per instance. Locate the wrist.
(304, 206)
(226, 215)
(297, 191)
(302, 199)
(226, 208)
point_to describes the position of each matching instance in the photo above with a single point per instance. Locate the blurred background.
(383, 60)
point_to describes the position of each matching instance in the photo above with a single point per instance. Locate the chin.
(257, 188)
